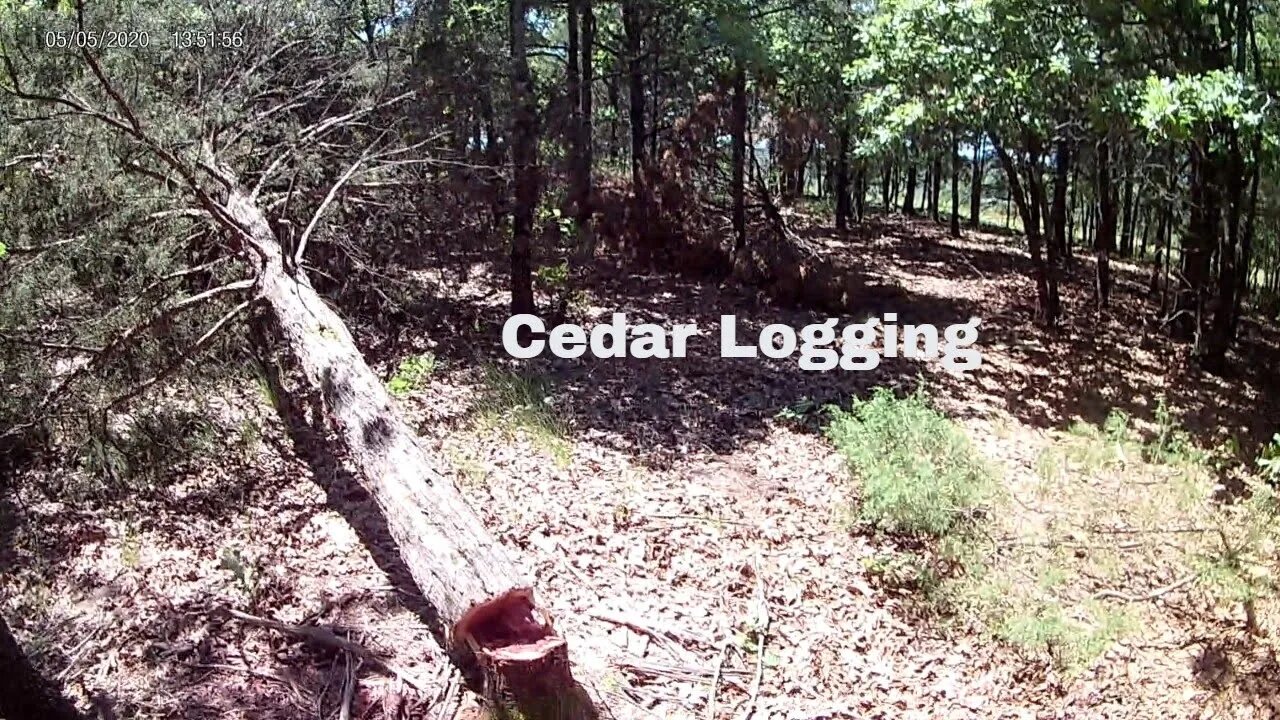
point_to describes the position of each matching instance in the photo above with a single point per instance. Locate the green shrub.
(919, 473)
(412, 374)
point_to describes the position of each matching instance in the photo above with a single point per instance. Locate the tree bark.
(491, 626)
(843, 209)
(573, 89)
(860, 195)
(524, 158)
(1062, 162)
(24, 692)
(1028, 202)
(886, 180)
(738, 123)
(586, 136)
(955, 185)
(935, 190)
(1105, 239)
(909, 199)
(633, 29)
(975, 182)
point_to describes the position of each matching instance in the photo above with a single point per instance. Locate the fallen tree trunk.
(24, 693)
(491, 623)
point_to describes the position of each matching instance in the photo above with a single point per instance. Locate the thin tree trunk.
(909, 199)
(843, 200)
(886, 185)
(860, 195)
(633, 27)
(573, 88)
(1028, 202)
(935, 190)
(586, 133)
(955, 185)
(975, 182)
(524, 157)
(1105, 241)
(1072, 210)
(1062, 162)
(615, 103)
(738, 123)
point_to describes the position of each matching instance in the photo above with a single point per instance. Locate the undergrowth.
(1121, 517)
(918, 473)
(516, 403)
(412, 374)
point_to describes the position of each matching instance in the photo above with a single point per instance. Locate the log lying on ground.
(492, 625)
(24, 693)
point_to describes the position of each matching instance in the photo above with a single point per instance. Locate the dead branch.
(328, 199)
(182, 359)
(47, 345)
(1153, 595)
(33, 249)
(662, 636)
(328, 639)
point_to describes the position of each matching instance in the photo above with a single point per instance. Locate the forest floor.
(659, 502)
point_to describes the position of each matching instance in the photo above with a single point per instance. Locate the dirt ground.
(692, 543)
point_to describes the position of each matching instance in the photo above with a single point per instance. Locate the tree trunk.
(1073, 206)
(633, 29)
(524, 158)
(1105, 240)
(1062, 162)
(886, 184)
(1197, 244)
(935, 190)
(909, 199)
(615, 103)
(738, 128)
(975, 182)
(860, 194)
(491, 625)
(955, 185)
(1127, 219)
(24, 692)
(843, 209)
(1222, 327)
(586, 136)
(1028, 202)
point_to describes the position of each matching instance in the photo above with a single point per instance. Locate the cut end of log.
(525, 663)
(509, 626)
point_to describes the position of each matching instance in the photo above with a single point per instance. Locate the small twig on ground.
(1153, 595)
(349, 687)
(761, 622)
(325, 637)
(725, 649)
(663, 637)
(301, 696)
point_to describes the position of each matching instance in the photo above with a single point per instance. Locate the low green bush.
(919, 474)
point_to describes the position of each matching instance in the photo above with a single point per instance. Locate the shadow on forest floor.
(659, 410)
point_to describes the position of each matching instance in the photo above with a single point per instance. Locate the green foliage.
(553, 278)
(1172, 444)
(1072, 639)
(144, 449)
(412, 374)
(243, 571)
(918, 472)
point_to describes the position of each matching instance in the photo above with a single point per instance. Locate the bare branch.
(182, 359)
(328, 199)
(47, 345)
